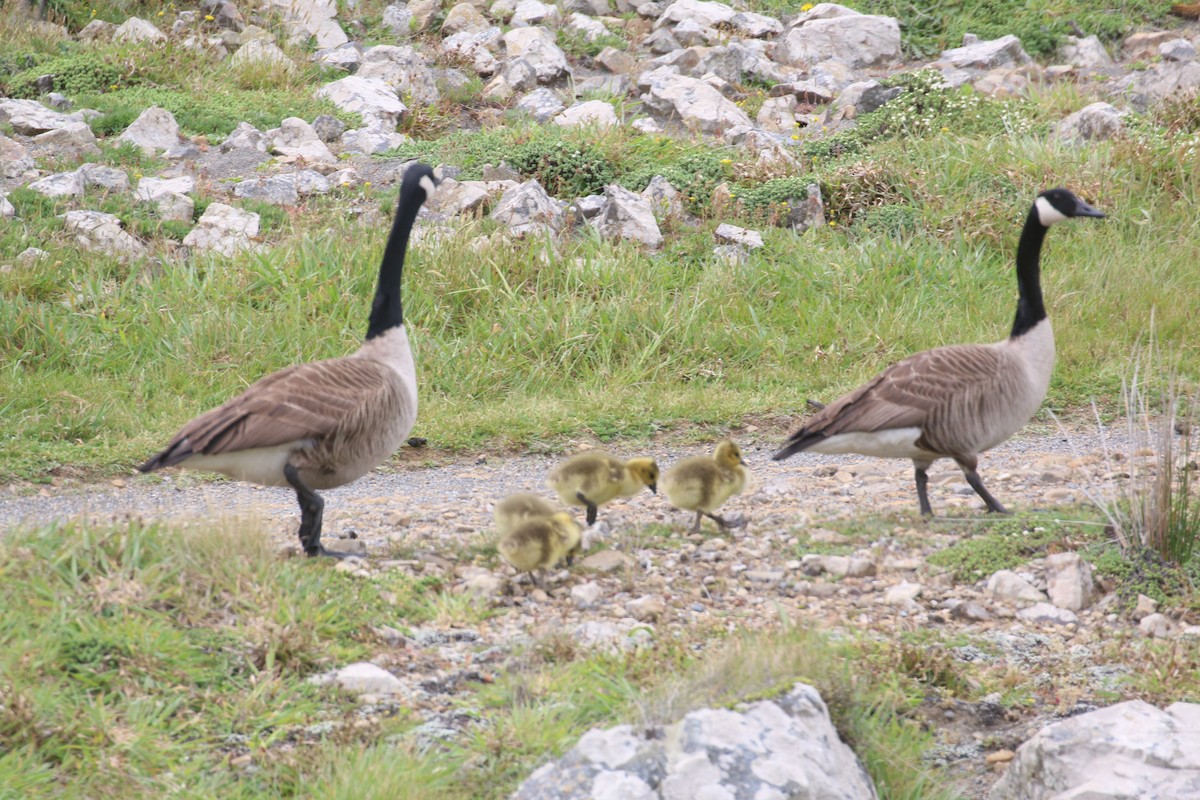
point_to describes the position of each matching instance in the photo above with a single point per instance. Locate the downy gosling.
(703, 483)
(957, 401)
(324, 423)
(592, 479)
(540, 543)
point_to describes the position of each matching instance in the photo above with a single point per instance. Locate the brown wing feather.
(307, 401)
(904, 395)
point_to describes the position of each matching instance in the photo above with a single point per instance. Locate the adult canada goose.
(324, 423)
(957, 401)
(703, 483)
(592, 479)
(540, 543)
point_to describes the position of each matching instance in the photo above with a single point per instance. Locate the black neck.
(1030, 310)
(386, 309)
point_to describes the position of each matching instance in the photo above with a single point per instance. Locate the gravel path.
(1033, 469)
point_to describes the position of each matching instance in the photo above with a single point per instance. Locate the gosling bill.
(323, 423)
(703, 483)
(957, 401)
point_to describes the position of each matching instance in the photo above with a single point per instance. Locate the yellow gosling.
(540, 543)
(517, 508)
(703, 483)
(592, 479)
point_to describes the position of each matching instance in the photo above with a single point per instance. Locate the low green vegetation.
(1004, 543)
(147, 661)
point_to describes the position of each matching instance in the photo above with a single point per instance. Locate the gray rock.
(328, 128)
(110, 179)
(808, 212)
(347, 57)
(626, 215)
(537, 46)
(520, 75)
(224, 229)
(398, 19)
(527, 210)
(616, 61)
(278, 190)
(225, 14)
(154, 130)
(858, 40)
(534, 12)
(262, 52)
(97, 31)
(732, 234)
(1177, 50)
(309, 182)
(60, 184)
(245, 136)
(970, 612)
(1156, 626)
(588, 28)
(1145, 44)
(1129, 750)
(1069, 581)
(809, 92)
(480, 47)
(595, 113)
(696, 104)
(1046, 614)
(768, 750)
(295, 138)
(705, 14)
(1007, 586)
(664, 199)
(95, 230)
(620, 636)
(1003, 52)
(606, 561)
(755, 26)
(464, 17)
(646, 609)
(314, 19)
(14, 159)
(151, 189)
(1096, 121)
(1085, 53)
(1144, 88)
(31, 255)
(454, 198)
(778, 114)
(1144, 608)
(70, 141)
(29, 117)
(541, 104)
(366, 678)
(586, 595)
(661, 42)
(7, 210)
(136, 29)
(371, 139)
(403, 69)
(902, 593)
(370, 97)
(876, 97)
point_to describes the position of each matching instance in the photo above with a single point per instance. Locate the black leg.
(722, 522)
(923, 491)
(993, 505)
(696, 527)
(591, 508)
(312, 513)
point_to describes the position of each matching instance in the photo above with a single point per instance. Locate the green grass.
(1004, 543)
(145, 661)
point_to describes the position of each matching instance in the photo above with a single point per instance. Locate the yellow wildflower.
(726, 160)
(209, 17)
(806, 7)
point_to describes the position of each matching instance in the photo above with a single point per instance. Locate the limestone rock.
(808, 212)
(770, 749)
(29, 117)
(1129, 750)
(370, 97)
(110, 179)
(902, 593)
(1069, 581)
(755, 26)
(245, 136)
(97, 31)
(376, 137)
(616, 61)
(403, 69)
(224, 229)
(454, 198)
(858, 40)
(541, 104)
(1085, 53)
(328, 128)
(706, 14)
(366, 678)
(1046, 614)
(70, 141)
(95, 230)
(664, 199)
(60, 184)
(263, 52)
(316, 19)
(646, 609)
(778, 114)
(597, 113)
(1177, 50)
(477, 46)
(7, 210)
(346, 57)
(1010, 587)
(14, 159)
(696, 104)
(526, 209)
(534, 12)
(537, 46)
(743, 237)
(136, 29)
(154, 130)
(1144, 88)
(1145, 44)
(589, 28)
(398, 19)
(464, 17)
(295, 138)
(626, 215)
(1155, 626)
(1003, 52)
(606, 561)
(278, 190)
(1095, 121)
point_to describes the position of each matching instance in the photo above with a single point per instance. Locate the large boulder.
(371, 98)
(527, 210)
(690, 100)
(537, 46)
(403, 69)
(29, 117)
(983, 55)
(1129, 750)
(155, 130)
(859, 40)
(95, 230)
(1095, 121)
(1144, 88)
(74, 141)
(626, 215)
(783, 748)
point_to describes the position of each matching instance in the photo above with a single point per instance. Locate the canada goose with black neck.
(957, 401)
(323, 423)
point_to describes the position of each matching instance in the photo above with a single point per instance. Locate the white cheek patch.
(427, 184)
(1048, 214)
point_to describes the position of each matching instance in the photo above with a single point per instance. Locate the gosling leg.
(696, 527)
(591, 508)
(312, 513)
(722, 522)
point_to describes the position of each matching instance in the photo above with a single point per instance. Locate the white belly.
(261, 465)
(891, 443)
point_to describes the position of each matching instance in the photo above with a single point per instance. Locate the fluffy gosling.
(540, 543)
(703, 483)
(517, 508)
(592, 479)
